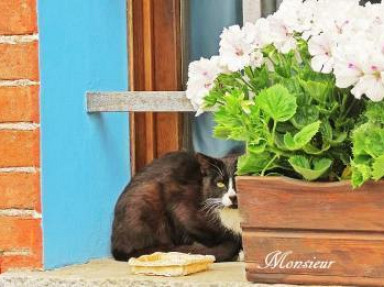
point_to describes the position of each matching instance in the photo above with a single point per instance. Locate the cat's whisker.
(211, 205)
(212, 201)
(207, 207)
(212, 214)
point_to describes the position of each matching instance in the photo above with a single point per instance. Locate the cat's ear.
(206, 162)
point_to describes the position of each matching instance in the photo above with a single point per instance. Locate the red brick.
(13, 262)
(19, 104)
(20, 233)
(18, 17)
(20, 191)
(19, 61)
(19, 148)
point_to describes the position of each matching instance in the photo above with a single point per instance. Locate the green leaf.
(260, 79)
(360, 174)
(362, 159)
(212, 98)
(378, 168)
(277, 102)
(305, 115)
(375, 111)
(302, 138)
(257, 146)
(279, 142)
(317, 90)
(245, 105)
(253, 164)
(326, 131)
(222, 132)
(368, 139)
(310, 171)
(339, 139)
(310, 149)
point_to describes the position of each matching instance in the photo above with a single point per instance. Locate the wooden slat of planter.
(300, 205)
(138, 102)
(313, 280)
(339, 248)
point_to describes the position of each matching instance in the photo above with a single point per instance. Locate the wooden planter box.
(296, 232)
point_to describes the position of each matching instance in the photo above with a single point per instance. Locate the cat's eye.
(220, 184)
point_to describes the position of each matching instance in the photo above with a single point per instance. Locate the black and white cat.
(179, 203)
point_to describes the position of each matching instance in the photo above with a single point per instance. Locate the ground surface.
(109, 273)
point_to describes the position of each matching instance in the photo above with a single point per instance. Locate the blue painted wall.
(85, 158)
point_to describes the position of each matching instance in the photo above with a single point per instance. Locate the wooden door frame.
(155, 64)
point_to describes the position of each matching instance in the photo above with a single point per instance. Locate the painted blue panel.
(85, 158)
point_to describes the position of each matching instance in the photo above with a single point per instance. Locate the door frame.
(157, 61)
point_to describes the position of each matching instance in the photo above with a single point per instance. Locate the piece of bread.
(170, 264)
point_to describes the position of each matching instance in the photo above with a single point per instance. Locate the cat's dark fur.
(169, 206)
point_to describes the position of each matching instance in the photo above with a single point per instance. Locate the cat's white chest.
(231, 219)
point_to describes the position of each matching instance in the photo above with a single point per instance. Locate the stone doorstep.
(109, 273)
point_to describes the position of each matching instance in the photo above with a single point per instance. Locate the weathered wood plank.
(336, 206)
(138, 102)
(302, 233)
(251, 10)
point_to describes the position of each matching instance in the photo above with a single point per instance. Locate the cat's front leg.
(224, 251)
(207, 231)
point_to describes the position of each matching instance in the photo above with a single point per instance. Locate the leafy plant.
(293, 120)
(303, 91)
(368, 146)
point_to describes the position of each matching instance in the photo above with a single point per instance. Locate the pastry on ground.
(170, 264)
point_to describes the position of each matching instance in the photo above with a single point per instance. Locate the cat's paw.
(240, 257)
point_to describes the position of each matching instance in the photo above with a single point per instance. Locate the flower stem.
(269, 164)
(274, 132)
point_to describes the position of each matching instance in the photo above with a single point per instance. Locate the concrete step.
(109, 273)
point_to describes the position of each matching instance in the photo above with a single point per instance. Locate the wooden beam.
(251, 10)
(155, 65)
(138, 102)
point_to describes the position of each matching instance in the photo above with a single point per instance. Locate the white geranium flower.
(335, 16)
(263, 31)
(258, 34)
(252, 35)
(359, 62)
(201, 77)
(282, 37)
(374, 13)
(380, 42)
(347, 73)
(349, 63)
(296, 14)
(235, 48)
(370, 85)
(320, 47)
(343, 38)
(257, 59)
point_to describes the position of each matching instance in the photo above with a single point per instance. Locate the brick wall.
(20, 208)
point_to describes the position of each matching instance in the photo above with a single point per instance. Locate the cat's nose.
(233, 199)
